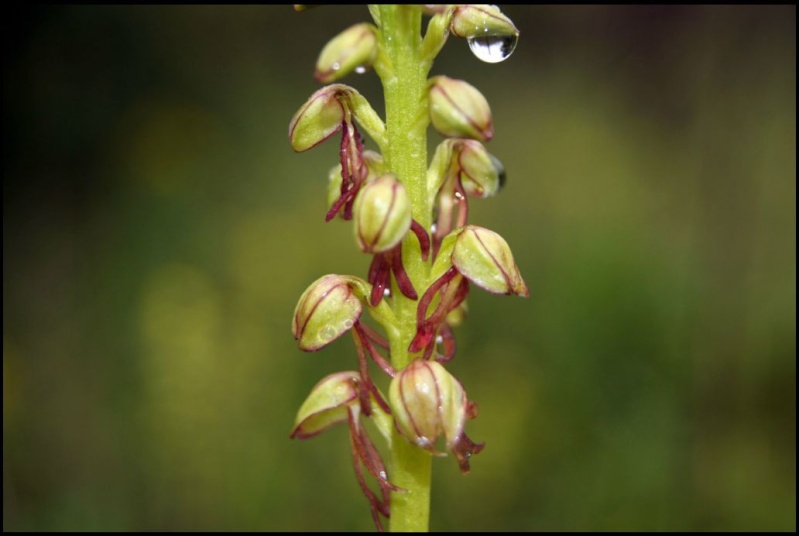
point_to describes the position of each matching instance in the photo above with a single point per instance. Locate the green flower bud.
(476, 20)
(482, 174)
(320, 117)
(328, 309)
(458, 109)
(491, 35)
(427, 402)
(354, 49)
(382, 214)
(328, 404)
(484, 258)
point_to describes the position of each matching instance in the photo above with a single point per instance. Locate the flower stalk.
(413, 219)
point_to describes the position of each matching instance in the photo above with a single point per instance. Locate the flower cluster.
(425, 402)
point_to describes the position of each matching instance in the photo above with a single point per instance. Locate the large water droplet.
(493, 48)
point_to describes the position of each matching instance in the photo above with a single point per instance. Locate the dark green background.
(158, 230)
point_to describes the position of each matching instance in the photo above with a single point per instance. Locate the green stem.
(404, 85)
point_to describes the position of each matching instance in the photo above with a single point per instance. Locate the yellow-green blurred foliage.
(158, 230)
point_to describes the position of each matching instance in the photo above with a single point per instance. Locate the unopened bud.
(352, 50)
(382, 214)
(327, 404)
(484, 258)
(479, 172)
(327, 309)
(427, 402)
(482, 174)
(320, 117)
(481, 20)
(458, 109)
(492, 37)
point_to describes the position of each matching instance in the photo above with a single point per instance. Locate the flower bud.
(479, 172)
(427, 402)
(482, 174)
(484, 258)
(320, 117)
(382, 214)
(353, 49)
(327, 405)
(459, 110)
(476, 20)
(492, 37)
(326, 310)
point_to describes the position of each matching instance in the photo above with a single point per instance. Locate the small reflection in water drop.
(493, 48)
(360, 69)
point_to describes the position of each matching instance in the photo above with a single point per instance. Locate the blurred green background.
(158, 230)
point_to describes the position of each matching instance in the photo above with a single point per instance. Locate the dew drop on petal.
(493, 48)
(326, 334)
(386, 292)
(423, 442)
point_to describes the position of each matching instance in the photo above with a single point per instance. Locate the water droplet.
(360, 69)
(423, 442)
(493, 48)
(336, 66)
(386, 292)
(326, 334)
(433, 228)
(348, 323)
(458, 197)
